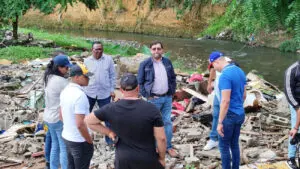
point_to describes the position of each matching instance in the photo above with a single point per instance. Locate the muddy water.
(270, 63)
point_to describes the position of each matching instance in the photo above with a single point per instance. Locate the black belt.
(160, 95)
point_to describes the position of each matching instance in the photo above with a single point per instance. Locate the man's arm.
(173, 78)
(245, 93)
(160, 137)
(289, 86)
(60, 114)
(141, 78)
(112, 76)
(83, 128)
(223, 109)
(212, 76)
(95, 124)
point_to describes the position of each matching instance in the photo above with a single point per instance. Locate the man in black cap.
(136, 124)
(74, 107)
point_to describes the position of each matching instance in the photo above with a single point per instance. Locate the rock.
(84, 54)
(34, 148)
(268, 154)
(102, 166)
(191, 160)
(27, 155)
(298, 51)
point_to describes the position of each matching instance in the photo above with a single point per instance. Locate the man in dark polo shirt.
(135, 126)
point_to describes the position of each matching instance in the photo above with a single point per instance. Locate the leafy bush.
(289, 46)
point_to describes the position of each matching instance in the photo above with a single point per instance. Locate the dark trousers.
(101, 102)
(79, 154)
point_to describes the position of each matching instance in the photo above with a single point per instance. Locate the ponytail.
(51, 69)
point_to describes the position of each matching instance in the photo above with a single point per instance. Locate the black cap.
(80, 69)
(128, 82)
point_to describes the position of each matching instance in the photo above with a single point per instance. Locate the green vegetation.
(246, 17)
(18, 53)
(12, 10)
(67, 41)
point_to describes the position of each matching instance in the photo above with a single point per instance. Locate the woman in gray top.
(55, 81)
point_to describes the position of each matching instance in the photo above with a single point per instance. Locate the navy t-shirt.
(233, 78)
(133, 122)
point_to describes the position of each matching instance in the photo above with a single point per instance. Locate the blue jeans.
(292, 148)
(216, 109)
(58, 153)
(101, 102)
(47, 146)
(164, 104)
(230, 142)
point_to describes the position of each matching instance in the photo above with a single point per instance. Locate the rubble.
(263, 135)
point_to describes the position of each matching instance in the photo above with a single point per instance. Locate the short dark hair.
(155, 43)
(97, 42)
(128, 82)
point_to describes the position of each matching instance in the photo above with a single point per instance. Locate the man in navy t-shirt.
(232, 86)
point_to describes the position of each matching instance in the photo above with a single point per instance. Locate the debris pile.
(263, 137)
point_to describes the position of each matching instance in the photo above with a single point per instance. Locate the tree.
(12, 10)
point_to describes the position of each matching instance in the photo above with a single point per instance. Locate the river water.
(269, 63)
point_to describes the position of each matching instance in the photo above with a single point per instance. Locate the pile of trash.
(263, 139)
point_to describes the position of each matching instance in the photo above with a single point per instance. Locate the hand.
(220, 130)
(90, 141)
(209, 88)
(112, 136)
(293, 132)
(113, 95)
(162, 162)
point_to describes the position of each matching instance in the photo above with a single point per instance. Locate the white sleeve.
(82, 105)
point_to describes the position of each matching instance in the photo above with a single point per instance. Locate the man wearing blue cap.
(214, 77)
(231, 116)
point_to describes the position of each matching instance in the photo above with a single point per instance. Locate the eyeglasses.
(156, 49)
(98, 49)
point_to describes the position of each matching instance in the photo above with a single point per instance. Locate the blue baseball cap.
(62, 60)
(214, 56)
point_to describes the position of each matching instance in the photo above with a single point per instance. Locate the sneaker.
(292, 163)
(210, 145)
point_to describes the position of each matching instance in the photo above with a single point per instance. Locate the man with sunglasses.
(157, 82)
(102, 85)
(74, 106)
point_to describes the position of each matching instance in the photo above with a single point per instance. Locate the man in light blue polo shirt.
(232, 93)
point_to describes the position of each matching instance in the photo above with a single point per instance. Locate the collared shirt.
(102, 83)
(233, 78)
(73, 101)
(160, 84)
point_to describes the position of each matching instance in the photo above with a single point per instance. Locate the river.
(269, 63)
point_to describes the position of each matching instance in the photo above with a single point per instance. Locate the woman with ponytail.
(55, 81)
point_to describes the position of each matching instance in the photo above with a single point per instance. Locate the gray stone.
(27, 155)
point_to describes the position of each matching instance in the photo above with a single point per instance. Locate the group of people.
(139, 128)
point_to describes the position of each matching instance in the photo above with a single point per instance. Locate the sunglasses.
(98, 49)
(156, 49)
